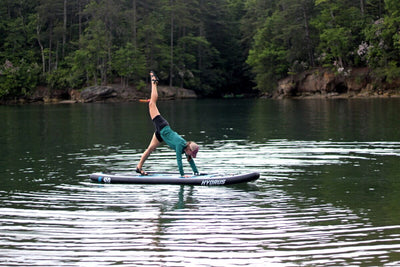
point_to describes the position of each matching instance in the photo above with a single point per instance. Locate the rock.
(39, 94)
(110, 93)
(47, 95)
(186, 93)
(318, 82)
(358, 80)
(321, 82)
(308, 83)
(97, 93)
(287, 86)
(175, 92)
(58, 95)
(75, 95)
(117, 93)
(67, 102)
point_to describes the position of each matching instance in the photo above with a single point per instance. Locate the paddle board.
(174, 178)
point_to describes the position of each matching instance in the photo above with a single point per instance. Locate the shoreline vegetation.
(318, 83)
(104, 49)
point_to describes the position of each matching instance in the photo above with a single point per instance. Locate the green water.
(328, 193)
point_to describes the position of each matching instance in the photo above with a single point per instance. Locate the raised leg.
(153, 98)
(153, 110)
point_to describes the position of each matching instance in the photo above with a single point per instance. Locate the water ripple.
(270, 222)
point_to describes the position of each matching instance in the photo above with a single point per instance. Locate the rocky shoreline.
(106, 93)
(325, 83)
(317, 83)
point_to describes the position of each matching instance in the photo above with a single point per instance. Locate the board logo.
(213, 182)
(107, 180)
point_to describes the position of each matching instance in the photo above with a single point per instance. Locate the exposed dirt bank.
(324, 83)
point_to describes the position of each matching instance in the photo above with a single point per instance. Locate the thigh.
(154, 143)
(153, 110)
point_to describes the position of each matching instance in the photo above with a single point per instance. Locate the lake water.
(328, 194)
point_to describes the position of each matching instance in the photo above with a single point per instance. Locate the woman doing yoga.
(163, 132)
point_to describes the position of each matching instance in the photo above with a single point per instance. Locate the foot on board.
(142, 172)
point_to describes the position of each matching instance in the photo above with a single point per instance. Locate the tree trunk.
(50, 43)
(183, 76)
(57, 48)
(79, 22)
(64, 29)
(362, 7)
(95, 77)
(333, 17)
(108, 59)
(199, 47)
(134, 24)
(171, 46)
(310, 51)
(41, 49)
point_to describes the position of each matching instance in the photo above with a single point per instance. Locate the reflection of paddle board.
(174, 178)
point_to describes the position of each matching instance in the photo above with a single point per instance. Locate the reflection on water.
(287, 217)
(323, 202)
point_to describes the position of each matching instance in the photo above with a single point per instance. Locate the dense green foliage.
(215, 47)
(296, 35)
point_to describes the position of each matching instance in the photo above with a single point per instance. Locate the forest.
(214, 47)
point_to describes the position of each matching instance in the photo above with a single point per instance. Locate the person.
(163, 132)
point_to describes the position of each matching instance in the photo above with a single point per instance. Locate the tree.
(50, 14)
(339, 24)
(129, 64)
(382, 49)
(186, 60)
(152, 41)
(283, 44)
(18, 79)
(268, 60)
(16, 31)
(256, 12)
(97, 42)
(92, 57)
(209, 46)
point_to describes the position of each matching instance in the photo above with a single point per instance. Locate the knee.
(152, 105)
(150, 149)
(153, 109)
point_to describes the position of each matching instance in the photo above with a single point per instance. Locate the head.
(191, 149)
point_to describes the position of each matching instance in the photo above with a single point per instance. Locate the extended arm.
(179, 161)
(193, 166)
(180, 166)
